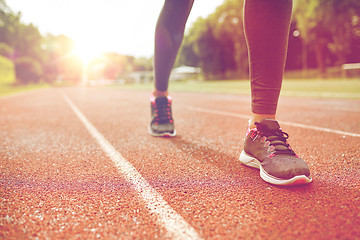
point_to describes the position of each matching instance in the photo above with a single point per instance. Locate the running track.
(78, 163)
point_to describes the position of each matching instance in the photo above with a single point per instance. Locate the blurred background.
(100, 42)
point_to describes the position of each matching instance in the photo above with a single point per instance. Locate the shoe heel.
(249, 160)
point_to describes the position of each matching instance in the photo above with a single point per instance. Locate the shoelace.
(277, 138)
(163, 112)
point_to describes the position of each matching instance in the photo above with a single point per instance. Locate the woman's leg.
(267, 25)
(266, 147)
(168, 37)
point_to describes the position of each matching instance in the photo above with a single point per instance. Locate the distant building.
(179, 73)
(140, 77)
(184, 72)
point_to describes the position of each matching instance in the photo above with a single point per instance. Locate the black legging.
(266, 25)
(168, 37)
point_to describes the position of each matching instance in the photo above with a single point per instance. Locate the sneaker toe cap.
(162, 128)
(286, 167)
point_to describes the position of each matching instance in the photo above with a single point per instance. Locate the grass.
(9, 89)
(7, 75)
(335, 88)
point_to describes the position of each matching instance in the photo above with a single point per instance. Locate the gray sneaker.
(162, 122)
(267, 149)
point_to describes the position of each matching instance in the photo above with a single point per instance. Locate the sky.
(122, 26)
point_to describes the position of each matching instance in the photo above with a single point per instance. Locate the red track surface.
(57, 182)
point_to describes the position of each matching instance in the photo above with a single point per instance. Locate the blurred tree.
(2, 4)
(71, 69)
(205, 46)
(61, 62)
(6, 50)
(143, 64)
(328, 25)
(228, 27)
(344, 28)
(117, 65)
(51, 70)
(27, 70)
(186, 55)
(9, 25)
(293, 59)
(216, 44)
(114, 66)
(24, 40)
(29, 43)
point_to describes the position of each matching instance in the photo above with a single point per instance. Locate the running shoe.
(267, 149)
(162, 123)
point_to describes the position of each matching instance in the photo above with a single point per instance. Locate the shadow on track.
(228, 163)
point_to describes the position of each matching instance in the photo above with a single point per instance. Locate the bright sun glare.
(87, 51)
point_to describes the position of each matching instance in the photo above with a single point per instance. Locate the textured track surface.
(56, 181)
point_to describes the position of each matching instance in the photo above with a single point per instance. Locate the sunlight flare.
(87, 51)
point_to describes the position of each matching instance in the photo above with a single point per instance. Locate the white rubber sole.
(253, 162)
(164, 134)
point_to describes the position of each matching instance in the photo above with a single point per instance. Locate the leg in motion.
(168, 37)
(266, 25)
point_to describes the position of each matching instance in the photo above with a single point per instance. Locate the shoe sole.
(254, 163)
(164, 134)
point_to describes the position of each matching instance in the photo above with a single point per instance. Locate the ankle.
(256, 117)
(158, 93)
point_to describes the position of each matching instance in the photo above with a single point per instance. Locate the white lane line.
(281, 122)
(321, 94)
(320, 129)
(176, 226)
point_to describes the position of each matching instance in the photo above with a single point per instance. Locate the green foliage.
(228, 27)
(9, 24)
(60, 61)
(112, 66)
(334, 88)
(329, 31)
(30, 43)
(24, 39)
(143, 64)
(27, 70)
(329, 26)
(116, 65)
(7, 73)
(216, 44)
(12, 89)
(6, 50)
(52, 58)
(22, 44)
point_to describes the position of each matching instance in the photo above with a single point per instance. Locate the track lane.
(175, 225)
(55, 180)
(198, 174)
